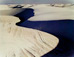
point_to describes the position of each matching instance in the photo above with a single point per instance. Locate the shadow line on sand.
(63, 29)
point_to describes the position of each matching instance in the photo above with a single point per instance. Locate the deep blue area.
(63, 29)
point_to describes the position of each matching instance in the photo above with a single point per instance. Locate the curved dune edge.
(43, 12)
(18, 41)
(46, 12)
(7, 10)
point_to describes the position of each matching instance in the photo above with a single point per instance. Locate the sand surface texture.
(18, 41)
(57, 12)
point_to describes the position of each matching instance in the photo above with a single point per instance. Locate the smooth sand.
(8, 10)
(25, 42)
(18, 41)
(47, 12)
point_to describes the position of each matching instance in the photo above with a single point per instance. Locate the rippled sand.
(33, 47)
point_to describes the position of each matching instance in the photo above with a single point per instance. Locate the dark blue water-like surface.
(63, 29)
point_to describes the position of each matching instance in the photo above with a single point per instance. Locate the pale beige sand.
(44, 12)
(18, 41)
(8, 10)
(24, 42)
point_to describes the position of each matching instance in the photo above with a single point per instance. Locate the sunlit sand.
(19, 41)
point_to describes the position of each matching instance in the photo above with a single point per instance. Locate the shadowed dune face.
(26, 14)
(18, 41)
(63, 29)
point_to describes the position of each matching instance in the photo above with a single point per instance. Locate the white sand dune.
(18, 41)
(45, 13)
(7, 10)
(24, 42)
(42, 11)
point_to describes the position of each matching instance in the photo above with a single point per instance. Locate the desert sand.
(42, 11)
(47, 12)
(26, 42)
(18, 41)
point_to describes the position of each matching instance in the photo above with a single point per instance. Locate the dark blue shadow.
(63, 29)
(25, 14)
